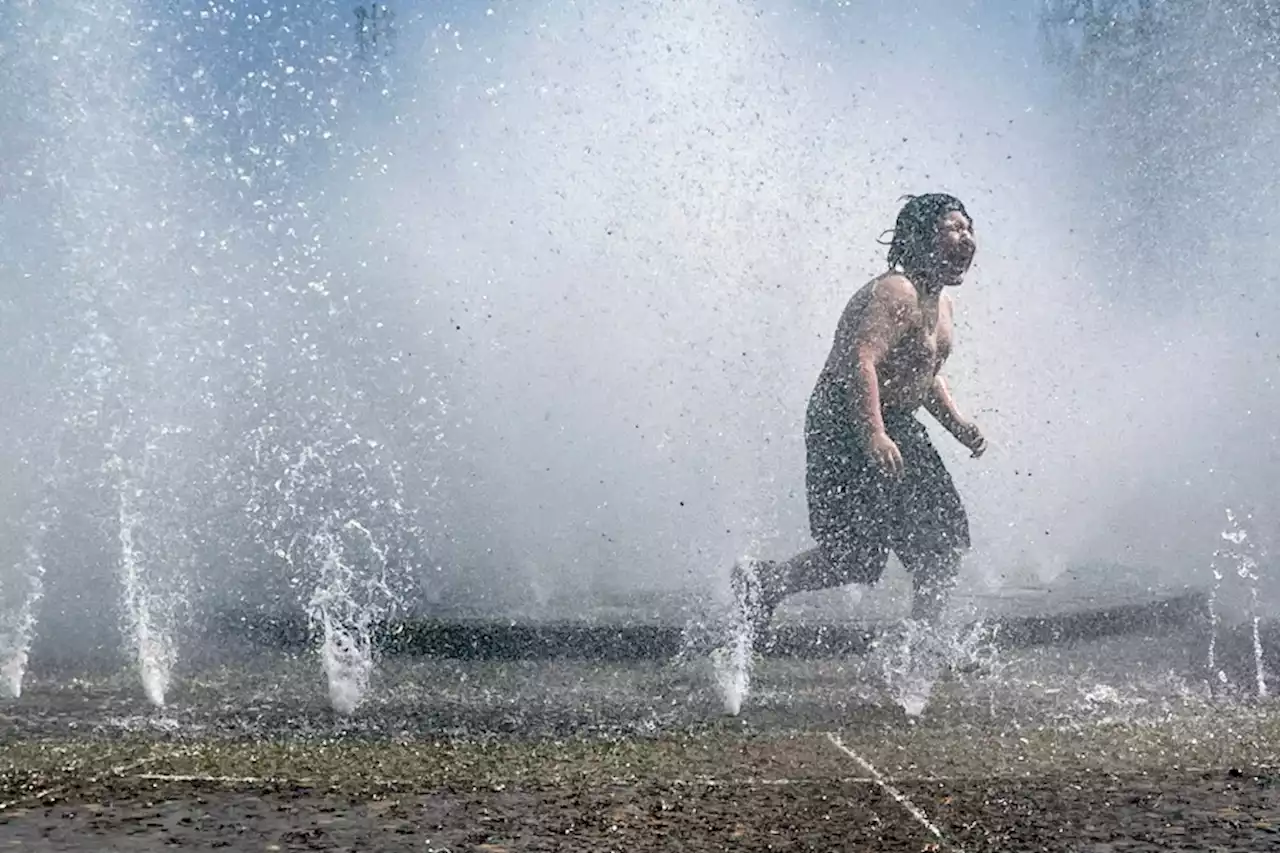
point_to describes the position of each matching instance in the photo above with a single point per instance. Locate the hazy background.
(539, 294)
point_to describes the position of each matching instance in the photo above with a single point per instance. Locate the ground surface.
(1110, 745)
(1110, 788)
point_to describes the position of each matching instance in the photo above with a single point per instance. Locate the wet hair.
(913, 234)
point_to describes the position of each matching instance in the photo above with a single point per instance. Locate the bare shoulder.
(888, 301)
(892, 286)
(894, 294)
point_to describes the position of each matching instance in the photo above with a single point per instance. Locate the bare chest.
(918, 355)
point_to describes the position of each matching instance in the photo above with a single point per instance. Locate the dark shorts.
(858, 515)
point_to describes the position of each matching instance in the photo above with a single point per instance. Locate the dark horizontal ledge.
(478, 639)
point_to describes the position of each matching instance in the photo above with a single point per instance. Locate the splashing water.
(147, 180)
(732, 667)
(344, 625)
(18, 629)
(1240, 552)
(909, 664)
(130, 193)
(341, 493)
(1215, 621)
(916, 655)
(149, 613)
(731, 662)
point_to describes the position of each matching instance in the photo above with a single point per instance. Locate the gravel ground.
(1236, 809)
(1116, 745)
(885, 786)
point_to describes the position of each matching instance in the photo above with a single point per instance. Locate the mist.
(545, 289)
(1185, 121)
(640, 232)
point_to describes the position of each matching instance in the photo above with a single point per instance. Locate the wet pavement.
(1115, 743)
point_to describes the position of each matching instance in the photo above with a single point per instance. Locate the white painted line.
(887, 786)
(707, 781)
(32, 798)
(764, 781)
(242, 780)
(125, 768)
(118, 770)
